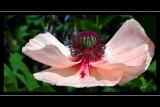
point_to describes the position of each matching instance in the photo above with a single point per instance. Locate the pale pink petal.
(118, 71)
(132, 57)
(46, 49)
(71, 77)
(50, 55)
(43, 39)
(131, 47)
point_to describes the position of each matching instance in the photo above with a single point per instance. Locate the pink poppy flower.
(88, 62)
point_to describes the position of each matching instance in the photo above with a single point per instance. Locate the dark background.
(68, 5)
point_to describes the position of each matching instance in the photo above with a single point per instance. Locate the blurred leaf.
(137, 82)
(21, 77)
(44, 88)
(35, 20)
(17, 64)
(152, 67)
(126, 17)
(24, 89)
(11, 41)
(10, 80)
(86, 25)
(106, 21)
(105, 36)
(22, 32)
(133, 85)
(70, 89)
(9, 17)
(148, 87)
(60, 27)
(35, 31)
(109, 89)
(5, 90)
(97, 22)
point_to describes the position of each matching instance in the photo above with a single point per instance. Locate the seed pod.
(84, 41)
(88, 42)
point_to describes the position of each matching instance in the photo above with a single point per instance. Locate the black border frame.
(81, 13)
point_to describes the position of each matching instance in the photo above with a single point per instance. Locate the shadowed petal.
(71, 77)
(130, 46)
(123, 73)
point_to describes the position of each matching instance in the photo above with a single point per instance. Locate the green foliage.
(110, 89)
(9, 79)
(35, 20)
(22, 31)
(22, 71)
(44, 88)
(70, 89)
(19, 69)
(152, 67)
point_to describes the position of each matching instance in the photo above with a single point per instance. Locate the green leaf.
(22, 32)
(136, 82)
(5, 90)
(60, 27)
(133, 85)
(125, 17)
(109, 89)
(24, 89)
(107, 20)
(9, 17)
(35, 31)
(44, 88)
(35, 20)
(11, 41)
(10, 81)
(105, 36)
(88, 25)
(21, 77)
(149, 86)
(97, 22)
(18, 65)
(152, 67)
(70, 89)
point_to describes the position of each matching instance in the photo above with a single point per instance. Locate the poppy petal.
(70, 77)
(43, 39)
(43, 50)
(128, 43)
(117, 71)
(130, 46)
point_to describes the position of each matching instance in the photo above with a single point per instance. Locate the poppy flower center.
(87, 47)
